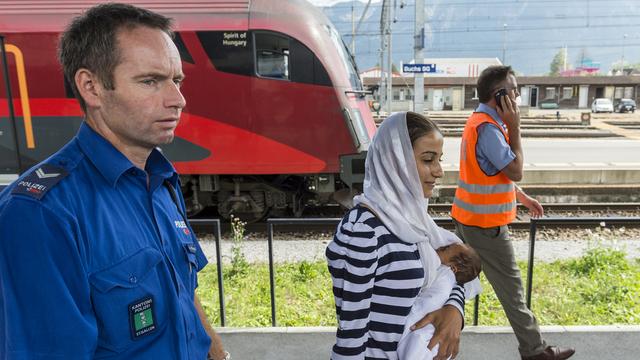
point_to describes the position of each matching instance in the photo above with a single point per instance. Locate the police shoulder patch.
(37, 183)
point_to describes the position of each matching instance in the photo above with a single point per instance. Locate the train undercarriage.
(254, 198)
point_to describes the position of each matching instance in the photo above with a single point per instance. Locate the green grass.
(598, 289)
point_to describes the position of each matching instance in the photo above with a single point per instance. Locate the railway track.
(566, 207)
(591, 215)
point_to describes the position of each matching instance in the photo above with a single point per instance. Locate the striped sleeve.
(456, 298)
(353, 260)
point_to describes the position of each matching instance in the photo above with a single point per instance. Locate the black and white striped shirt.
(376, 279)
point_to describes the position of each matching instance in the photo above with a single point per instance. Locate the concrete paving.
(478, 343)
(565, 161)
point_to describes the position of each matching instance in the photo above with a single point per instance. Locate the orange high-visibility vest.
(481, 200)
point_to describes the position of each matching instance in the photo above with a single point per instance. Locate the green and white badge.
(141, 317)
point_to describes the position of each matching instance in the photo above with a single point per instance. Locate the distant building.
(375, 72)
(457, 67)
(436, 98)
(545, 92)
(587, 67)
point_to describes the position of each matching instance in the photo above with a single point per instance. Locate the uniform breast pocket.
(128, 300)
(189, 249)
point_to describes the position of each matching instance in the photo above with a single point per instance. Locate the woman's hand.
(448, 323)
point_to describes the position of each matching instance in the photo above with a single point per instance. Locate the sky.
(331, 2)
(592, 32)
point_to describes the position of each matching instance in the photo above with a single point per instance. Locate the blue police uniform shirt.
(97, 263)
(492, 150)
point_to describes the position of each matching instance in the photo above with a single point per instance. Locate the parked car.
(601, 105)
(625, 105)
(549, 104)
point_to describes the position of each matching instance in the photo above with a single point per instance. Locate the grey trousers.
(499, 266)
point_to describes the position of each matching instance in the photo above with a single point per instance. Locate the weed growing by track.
(600, 288)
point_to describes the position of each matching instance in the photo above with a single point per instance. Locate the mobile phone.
(499, 94)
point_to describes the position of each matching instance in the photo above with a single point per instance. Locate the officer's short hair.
(489, 80)
(89, 41)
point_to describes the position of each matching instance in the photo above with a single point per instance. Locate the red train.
(276, 117)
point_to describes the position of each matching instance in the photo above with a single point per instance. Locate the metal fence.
(564, 221)
(215, 223)
(271, 223)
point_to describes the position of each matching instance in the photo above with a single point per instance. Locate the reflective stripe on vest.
(486, 189)
(485, 209)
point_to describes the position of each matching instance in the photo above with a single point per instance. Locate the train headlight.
(361, 129)
(357, 128)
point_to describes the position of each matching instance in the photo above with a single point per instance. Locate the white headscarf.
(392, 189)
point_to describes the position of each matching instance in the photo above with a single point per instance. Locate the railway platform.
(477, 342)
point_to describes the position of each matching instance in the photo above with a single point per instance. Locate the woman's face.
(428, 153)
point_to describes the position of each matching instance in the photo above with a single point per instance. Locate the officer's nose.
(174, 97)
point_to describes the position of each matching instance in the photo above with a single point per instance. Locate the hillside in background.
(535, 31)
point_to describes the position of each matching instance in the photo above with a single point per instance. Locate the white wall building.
(435, 97)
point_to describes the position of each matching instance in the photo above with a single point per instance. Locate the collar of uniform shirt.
(111, 163)
(484, 108)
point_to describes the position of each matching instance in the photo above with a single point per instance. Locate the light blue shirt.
(96, 261)
(492, 150)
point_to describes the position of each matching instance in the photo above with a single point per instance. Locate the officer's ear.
(89, 87)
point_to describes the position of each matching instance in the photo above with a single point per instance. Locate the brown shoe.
(552, 353)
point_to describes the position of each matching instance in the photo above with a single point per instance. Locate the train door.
(10, 160)
(295, 105)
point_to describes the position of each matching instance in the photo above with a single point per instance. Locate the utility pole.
(418, 58)
(353, 28)
(386, 65)
(382, 90)
(389, 59)
(504, 43)
(624, 40)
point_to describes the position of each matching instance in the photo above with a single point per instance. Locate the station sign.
(419, 68)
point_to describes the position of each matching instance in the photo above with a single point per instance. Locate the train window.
(347, 59)
(273, 64)
(229, 51)
(272, 56)
(306, 67)
(182, 49)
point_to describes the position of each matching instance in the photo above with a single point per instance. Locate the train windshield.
(346, 57)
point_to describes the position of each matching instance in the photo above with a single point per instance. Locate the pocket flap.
(128, 272)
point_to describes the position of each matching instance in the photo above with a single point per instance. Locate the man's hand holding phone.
(507, 109)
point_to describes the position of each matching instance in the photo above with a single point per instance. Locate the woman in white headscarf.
(383, 252)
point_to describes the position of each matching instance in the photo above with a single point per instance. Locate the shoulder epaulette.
(37, 183)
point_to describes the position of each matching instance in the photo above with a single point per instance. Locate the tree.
(558, 63)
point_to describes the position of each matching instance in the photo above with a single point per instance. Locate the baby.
(459, 264)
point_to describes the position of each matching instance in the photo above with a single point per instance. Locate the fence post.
(476, 306)
(272, 280)
(532, 245)
(219, 267)
(218, 240)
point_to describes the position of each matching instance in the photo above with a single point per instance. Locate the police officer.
(96, 256)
